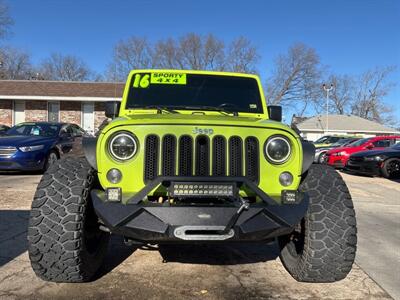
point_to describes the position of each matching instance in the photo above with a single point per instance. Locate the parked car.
(321, 151)
(338, 157)
(37, 145)
(384, 162)
(3, 129)
(328, 140)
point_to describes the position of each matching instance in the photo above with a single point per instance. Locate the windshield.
(396, 146)
(341, 142)
(327, 139)
(46, 130)
(194, 91)
(359, 142)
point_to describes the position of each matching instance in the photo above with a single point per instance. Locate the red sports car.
(338, 157)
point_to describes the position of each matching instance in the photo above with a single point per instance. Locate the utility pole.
(327, 90)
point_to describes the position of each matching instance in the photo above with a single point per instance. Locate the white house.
(317, 126)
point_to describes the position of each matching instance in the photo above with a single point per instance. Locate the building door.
(88, 117)
(53, 114)
(19, 112)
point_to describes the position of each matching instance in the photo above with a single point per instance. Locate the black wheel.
(321, 158)
(391, 168)
(51, 159)
(322, 247)
(65, 243)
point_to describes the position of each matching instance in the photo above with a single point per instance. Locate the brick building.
(81, 103)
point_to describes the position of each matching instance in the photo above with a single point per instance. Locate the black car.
(375, 163)
(3, 129)
(37, 145)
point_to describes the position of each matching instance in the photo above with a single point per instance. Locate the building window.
(53, 112)
(88, 117)
(19, 112)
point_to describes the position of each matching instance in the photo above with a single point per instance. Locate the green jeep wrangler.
(192, 157)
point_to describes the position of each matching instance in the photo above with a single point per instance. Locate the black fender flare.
(89, 149)
(308, 155)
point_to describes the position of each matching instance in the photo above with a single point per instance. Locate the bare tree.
(134, 53)
(5, 19)
(191, 51)
(295, 79)
(65, 68)
(242, 56)
(370, 89)
(167, 55)
(15, 64)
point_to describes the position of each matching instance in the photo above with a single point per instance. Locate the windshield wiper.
(160, 108)
(221, 110)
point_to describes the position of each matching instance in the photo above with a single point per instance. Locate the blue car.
(37, 145)
(3, 129)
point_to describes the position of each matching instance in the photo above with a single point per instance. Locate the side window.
(69, 130)
(382, 143)
(77, 131)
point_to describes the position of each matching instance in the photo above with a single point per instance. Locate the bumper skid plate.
(155, 223)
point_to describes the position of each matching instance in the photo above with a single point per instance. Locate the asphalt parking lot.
(210, 272)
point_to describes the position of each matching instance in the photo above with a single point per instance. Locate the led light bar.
(202, 189)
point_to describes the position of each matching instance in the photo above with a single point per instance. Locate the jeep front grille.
(202, 156)
(7, 151)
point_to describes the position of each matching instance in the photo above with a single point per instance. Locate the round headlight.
(122, 146)
(277, 149)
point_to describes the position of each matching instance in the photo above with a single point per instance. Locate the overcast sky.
(350, 36)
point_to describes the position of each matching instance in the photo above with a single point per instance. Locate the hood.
(23, 140)
(375, 152)
(339, 149)
(197, 119)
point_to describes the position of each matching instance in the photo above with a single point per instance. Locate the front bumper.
(337, 162)
(371, 168)
(23, 162)
(156, 223)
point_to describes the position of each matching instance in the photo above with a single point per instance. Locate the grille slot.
(219, 156)
(202, 156)
(185, 156)
(7, 151)
(169, 155)
(151, 157)
(252, 159)
(235, 156)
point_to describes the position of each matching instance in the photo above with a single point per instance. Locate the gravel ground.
(206, 272)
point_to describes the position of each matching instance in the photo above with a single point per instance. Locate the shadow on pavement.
(228, 254)
(117, 253)
(13, 241)
(13, 229)
(21, 172)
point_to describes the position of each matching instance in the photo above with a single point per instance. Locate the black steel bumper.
(156, 223)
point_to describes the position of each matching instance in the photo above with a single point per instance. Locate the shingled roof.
(348, 123)
(42, 88)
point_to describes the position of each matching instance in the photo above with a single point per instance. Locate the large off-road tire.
(64, 240)
(391, 168)
(322, 247)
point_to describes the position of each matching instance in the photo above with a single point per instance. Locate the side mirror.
(275, 112)
(65, 135)
(112, 109)
(370, 146)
